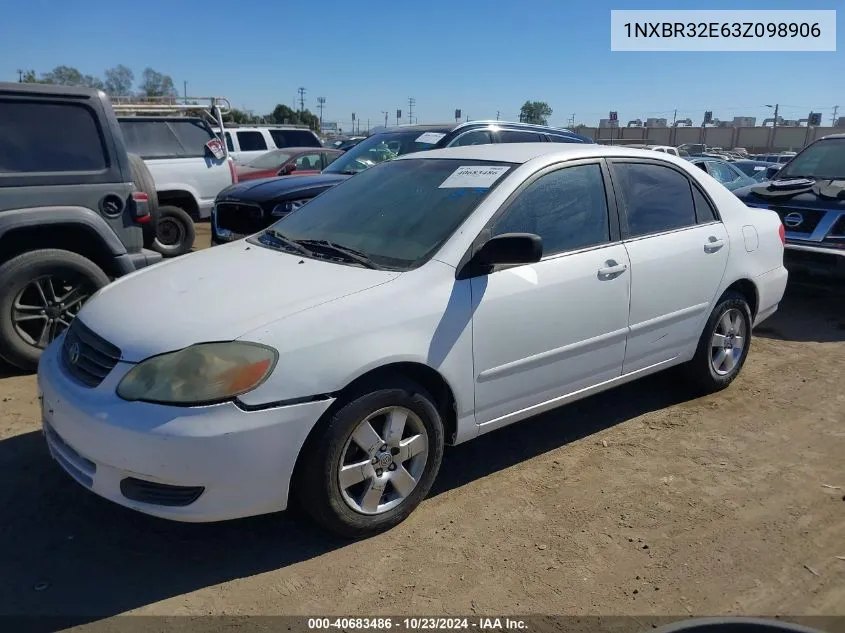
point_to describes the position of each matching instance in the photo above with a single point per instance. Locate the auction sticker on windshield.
(474, 176)
(429, 137)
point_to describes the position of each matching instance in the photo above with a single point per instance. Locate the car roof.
(53, 89)
(523, 152)
(428, 127)
(299, 150)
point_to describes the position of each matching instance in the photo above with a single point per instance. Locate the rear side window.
(513, 136)
(294, 138)
(49, 137)
(251, 141)
(554, 138)
(229, 144)
(704, 211)
(166, 138)
(657, 198)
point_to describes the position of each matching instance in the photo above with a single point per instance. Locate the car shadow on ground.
(65, 552)
(7, 371)
(808, 313)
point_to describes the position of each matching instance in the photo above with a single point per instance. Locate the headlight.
(283, 208)
(201, 374)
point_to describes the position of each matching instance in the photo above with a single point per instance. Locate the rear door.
(678, 249)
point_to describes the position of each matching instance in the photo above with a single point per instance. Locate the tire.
(175, 232)
(143, 180)
(317, 485)
(20, 279)
(702, 372)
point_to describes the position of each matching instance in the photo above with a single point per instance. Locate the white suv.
(246, 143)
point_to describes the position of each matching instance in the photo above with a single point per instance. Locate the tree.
(240, 117)
(310, 119)
(537, 112)
(69, 76)
(119, 80)
(283, 114)
(29, 77)
(156, 84)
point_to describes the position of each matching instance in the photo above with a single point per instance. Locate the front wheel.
(175, 232)
(723, 346)
(372, 462)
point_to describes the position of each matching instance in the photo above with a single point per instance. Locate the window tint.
(251, 141)
(657, 198)
(329, 157)
(476, 137)
(513, 136)
(554, 138)
(294, 138)
(566, 208)
(308, 161)
(704, 212)
(165, 138)
(48, 137)
(721, 172)
(229, 142)
(822, 159)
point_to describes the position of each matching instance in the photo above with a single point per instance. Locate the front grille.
(240, 218)
(159, 494)
(86, 356)
(838, 229)
(810, 218)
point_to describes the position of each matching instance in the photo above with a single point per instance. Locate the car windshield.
(381, 147)
(269, 160)
(396, 214)
(823, 160)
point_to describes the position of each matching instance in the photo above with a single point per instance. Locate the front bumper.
(243, 461)
(814, 260)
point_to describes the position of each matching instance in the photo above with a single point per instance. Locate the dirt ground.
(638, 501)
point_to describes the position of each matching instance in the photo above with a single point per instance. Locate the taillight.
(142, 213)
(140, 196)
(782, 234)
(233, 171)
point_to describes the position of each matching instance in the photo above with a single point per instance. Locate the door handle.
(612, 270)
(713, 244)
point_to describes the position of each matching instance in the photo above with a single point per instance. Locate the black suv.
(808, 193)
(75, 211)
(252, 206)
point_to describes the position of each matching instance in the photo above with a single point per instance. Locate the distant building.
(652, 122)
(745, 121)
(840, 122)
(608, 123)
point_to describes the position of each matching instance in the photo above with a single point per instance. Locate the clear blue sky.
(368, 57)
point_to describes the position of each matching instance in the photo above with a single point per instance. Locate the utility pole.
(321, 101)
(674, 117)
(411, 103)
(185, 90)
(384, 112)
(368, 127)
(774, 124)
(301, 92)
(832, 120)
(572, 120)
(497, 115)
(20, 76)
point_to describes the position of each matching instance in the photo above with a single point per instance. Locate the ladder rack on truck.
(212, 109)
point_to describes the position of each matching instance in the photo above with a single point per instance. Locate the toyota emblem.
(793, 219)
(73, 353)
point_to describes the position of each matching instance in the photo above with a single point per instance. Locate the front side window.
(397, 214)
(49, 137)
(476, 137)
(382, 147)
(657, 198)
(567, 208)
(270, 160)
(251, 141)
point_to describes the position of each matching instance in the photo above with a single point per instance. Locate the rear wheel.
(369, 465)
(175, 232)
(41, 292)
(723, 346)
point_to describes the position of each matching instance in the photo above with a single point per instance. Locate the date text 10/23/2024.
(417, 624)
(758, 30)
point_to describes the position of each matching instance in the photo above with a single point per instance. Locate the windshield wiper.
(294, 245)
(349, 253)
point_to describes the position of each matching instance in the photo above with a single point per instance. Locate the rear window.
(166, 138)
(294, 138)
(49, 137)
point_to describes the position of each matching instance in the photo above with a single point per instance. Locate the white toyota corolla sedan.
(424, 302)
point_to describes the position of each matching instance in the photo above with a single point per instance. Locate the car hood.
(264, 189)
(795, 192)
(217, 294)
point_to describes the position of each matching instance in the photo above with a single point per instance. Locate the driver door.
(545, 330)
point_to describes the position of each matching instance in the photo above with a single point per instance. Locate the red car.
(288, 161)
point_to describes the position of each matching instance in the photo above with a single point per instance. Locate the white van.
(246, 143)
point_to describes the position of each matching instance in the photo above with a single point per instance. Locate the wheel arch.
(747, 289)
(185, 199)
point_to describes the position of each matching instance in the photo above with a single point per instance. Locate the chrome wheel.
(728, 342)
(383, 460)
(45, 307)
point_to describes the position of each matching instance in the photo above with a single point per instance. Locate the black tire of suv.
(143, 180)
(182, 222)
(22, 270)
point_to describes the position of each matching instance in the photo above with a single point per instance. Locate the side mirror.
(510, 248)
(287, 169)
